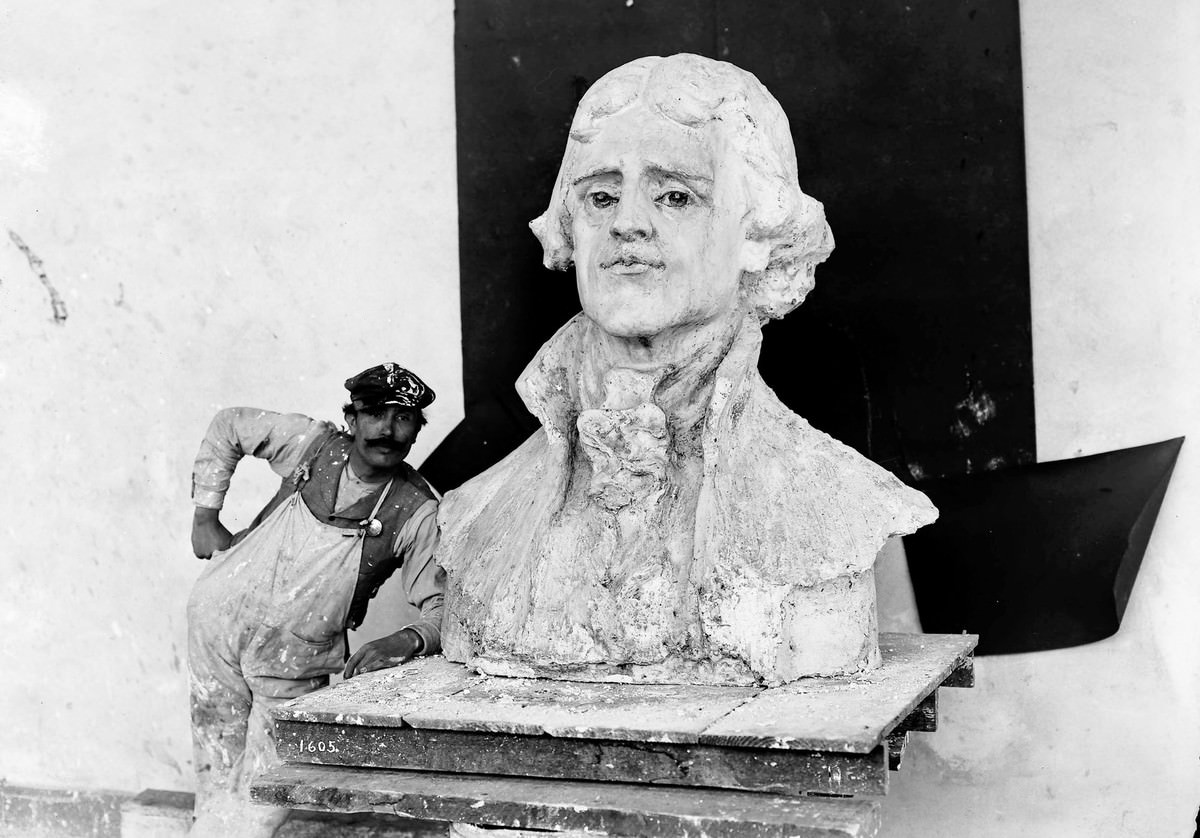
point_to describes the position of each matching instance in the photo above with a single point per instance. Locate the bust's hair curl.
(698, 92)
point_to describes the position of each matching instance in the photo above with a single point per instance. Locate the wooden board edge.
(965, 657)
(348, 716)
(565, 805)
(786, 773)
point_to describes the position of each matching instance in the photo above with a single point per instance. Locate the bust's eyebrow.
(655, 171)
(664, 173)
(595, 173)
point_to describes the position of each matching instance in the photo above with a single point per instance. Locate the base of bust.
(823, 630)
(674, 671)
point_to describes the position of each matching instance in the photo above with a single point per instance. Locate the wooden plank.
(963, 674)
(924, 717)
(849, 713)
(156, 813)
(747, 769)
(640, 712)
(382, 697)
(606, 808)
(33, 811)
(434, 693)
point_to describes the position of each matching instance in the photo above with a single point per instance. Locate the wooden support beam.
(963, 674)
(611, 809)
(659, 763)
(923, 718)
(896, 743)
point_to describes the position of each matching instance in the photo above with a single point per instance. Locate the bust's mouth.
(631, 264)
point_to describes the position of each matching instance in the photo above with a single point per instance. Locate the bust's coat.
(787, 525)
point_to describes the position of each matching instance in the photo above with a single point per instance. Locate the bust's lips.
(631, 264)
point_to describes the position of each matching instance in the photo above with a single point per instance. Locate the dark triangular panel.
(1039, 557)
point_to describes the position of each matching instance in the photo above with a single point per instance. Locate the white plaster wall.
(1102, 740)
(239, 203)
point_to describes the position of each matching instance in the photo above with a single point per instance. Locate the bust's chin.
(652, 336)
(629, 325)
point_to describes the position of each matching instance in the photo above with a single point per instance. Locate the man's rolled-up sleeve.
(279, 438)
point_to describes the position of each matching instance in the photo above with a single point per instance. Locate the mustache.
(634, 256)
(385, 443)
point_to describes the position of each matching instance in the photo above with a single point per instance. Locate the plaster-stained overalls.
(266, 618)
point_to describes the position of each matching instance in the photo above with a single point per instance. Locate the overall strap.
(405, 497)
(294, 482)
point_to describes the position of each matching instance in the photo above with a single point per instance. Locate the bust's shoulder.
(490, 499)
(765, 426)
(804, 495)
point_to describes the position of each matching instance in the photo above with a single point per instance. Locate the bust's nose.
(632, 219)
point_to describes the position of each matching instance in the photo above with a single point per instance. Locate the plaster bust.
(672, 521)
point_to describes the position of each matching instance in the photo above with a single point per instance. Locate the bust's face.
(657, 225)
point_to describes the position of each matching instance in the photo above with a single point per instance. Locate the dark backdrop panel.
(915, 345)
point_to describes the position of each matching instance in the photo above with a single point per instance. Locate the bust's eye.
(601, 199)
(675, 198)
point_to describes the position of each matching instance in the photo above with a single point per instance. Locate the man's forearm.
(424, 582)
(429, 629)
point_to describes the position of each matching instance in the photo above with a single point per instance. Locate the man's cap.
(388, 384)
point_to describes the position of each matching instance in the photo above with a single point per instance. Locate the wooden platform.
(388, 740)
(612, 809)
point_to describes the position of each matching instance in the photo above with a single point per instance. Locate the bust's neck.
(673, 370)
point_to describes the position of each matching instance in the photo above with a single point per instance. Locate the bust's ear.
(352, 422)
(755, 256)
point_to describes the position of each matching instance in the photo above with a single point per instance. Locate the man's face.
(383, 436)
(658, 231)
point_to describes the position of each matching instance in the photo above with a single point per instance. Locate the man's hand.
(392, 650)
(208, 533)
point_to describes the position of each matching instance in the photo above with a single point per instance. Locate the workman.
(267, 618)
